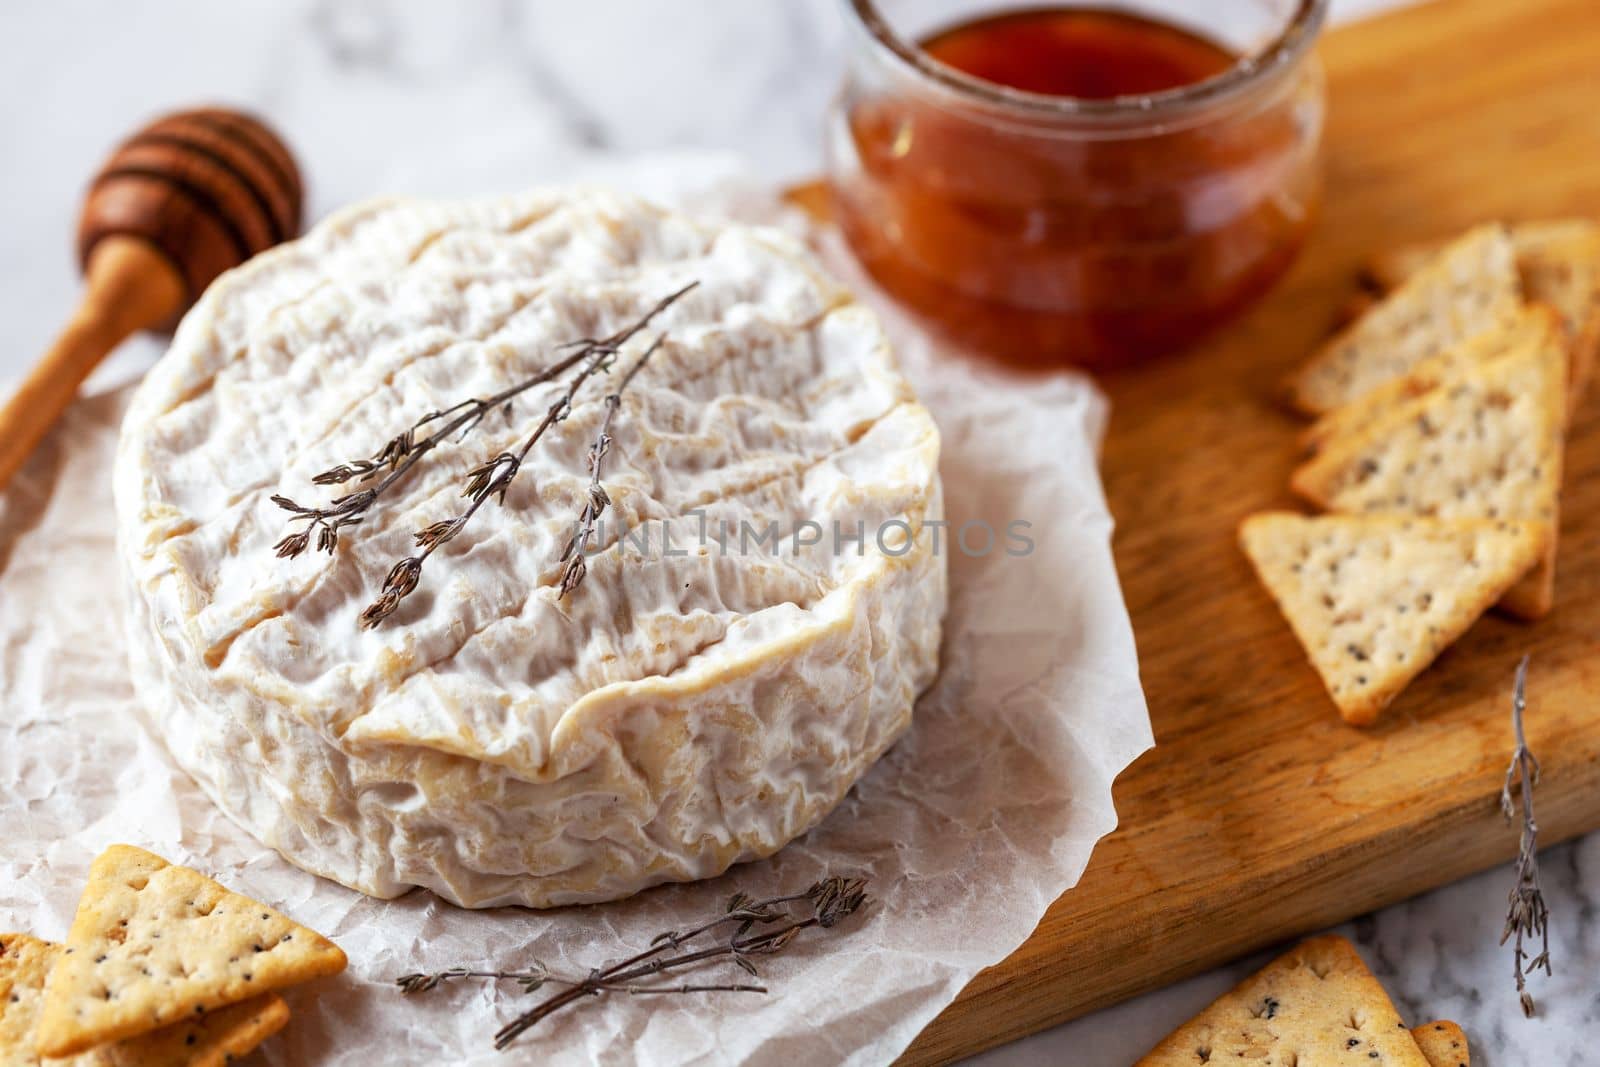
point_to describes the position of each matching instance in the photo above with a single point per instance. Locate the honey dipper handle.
(131, 287)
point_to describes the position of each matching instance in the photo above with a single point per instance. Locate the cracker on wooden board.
(1443, 1043)
(153, 943)
(1466, 289)
(1535, 324)
(1374, 599)
(1568, 278)
(1316, 1004)
(1487, 445)
(1357, 305)
(209, 1040)
(1558, 261)
(1389, 268)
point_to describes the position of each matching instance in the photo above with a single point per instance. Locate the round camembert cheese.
(763, 600)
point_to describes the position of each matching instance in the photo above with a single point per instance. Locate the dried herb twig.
(493, 477)
(532, 980)
(831, 900)
(398, 455)
(1528, 916)
(598, 500)
(403, 451)
(490, 479)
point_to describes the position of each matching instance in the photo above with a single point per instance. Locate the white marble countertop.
(480, 96)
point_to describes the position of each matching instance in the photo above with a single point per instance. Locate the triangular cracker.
(1316, 1004)
(1390, 268)
(1488, 445)
(1374, 599)
(209, 1040)
(24, 962)
(1564, 272)
(1558, 261)
(1469, 287)
(214, 1039)
(1443, 1043)
(153, 943)
(1533, 325)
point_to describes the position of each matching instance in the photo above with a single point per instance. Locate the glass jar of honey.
(1068, 184)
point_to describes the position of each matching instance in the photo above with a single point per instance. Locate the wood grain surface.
(208, 188)
(1259, 816)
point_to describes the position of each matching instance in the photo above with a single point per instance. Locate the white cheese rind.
(676, 714)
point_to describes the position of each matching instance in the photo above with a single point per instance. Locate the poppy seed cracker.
(1374, 599)
(1488, 445)
(209, 1040)
(1558, 261)
(1316, 1004)
(1531, 326)
(1468, 288)
(153, 943)
(1444, 1043)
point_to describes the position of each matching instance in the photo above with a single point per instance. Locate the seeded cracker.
(1444, 1043)
(209, 1040)
(1317, 1004)
(1559, 263)
(1566, 275)
(1527, 327)
(24, 962)
(1390, 268)
(153, 943)
(1489, 445)
(1374, 599)
(1469, 287)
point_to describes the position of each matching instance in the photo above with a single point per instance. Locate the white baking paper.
(980, 817)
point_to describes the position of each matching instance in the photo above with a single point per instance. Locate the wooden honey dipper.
(184, 199)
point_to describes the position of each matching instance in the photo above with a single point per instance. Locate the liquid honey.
(1043, 244)
(1073, 52)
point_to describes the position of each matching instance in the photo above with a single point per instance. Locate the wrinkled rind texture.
(678, 713)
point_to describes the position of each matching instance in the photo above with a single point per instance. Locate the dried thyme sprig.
(398, 455)
(403, 451)
(831, 900)
(597, 499)
(1528, 916)
(538, 977)
(492, 478)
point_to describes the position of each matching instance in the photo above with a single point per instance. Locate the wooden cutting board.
(1258, 816)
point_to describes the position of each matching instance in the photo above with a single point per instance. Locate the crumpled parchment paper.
(979, 818)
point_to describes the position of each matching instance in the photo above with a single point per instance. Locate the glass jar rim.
(1283, 52)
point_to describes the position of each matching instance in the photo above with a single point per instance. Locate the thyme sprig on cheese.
(398, 455)
(597, 499)
(492, 478)
(1528, 917)
(755, 928)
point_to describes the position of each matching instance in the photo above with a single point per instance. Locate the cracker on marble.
(1315, 1004)
(1444, 1043)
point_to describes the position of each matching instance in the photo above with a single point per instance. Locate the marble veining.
(1439, 957)
(490, 95)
